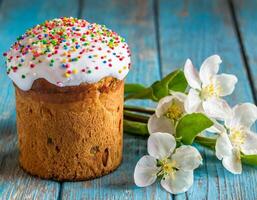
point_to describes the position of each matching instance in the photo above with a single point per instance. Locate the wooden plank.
(198, 29)
(246, 16)
(133, 20)
(140, 33)
(15, 18)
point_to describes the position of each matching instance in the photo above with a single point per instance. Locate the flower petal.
(223, 146)
(250, 144)
(164, 105)
(161, 145)
(179, 95)
(161, 124)
(216, 127)
(187, 158)
(233, 163)
(244, 115)
(192, 75)
(226, 83)
(146, 171)
(209, 68)
(178, 182)
(193, 102)
(217, 108)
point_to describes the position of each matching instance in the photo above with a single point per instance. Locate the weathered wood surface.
(246, 16)
(161, 34)
(197, 29)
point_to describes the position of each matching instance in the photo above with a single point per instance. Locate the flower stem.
(249, 159)
(143, 94)
(140, 128)
(139, 109)
(206, 141)
(135, 116)
(135, 123)
(135, 128)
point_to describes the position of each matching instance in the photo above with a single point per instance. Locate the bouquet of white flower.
(182, 117)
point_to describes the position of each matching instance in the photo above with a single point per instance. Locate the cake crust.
(72, 132)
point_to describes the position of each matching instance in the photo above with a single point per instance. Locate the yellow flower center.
(167, 167)
(175, 111)
(210, 90)
(237, 136)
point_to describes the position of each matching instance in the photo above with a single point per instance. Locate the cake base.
(74, 135)
(71, 180)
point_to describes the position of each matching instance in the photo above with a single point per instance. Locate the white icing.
(99, 59)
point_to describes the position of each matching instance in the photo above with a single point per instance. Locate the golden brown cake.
(69, 104)
(70, 133)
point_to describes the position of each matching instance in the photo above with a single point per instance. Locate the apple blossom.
(169, 110)
(236, 136)
(173, 166)
(207, 87)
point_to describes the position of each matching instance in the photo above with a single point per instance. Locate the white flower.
(207, 86)
(174, 168)
(237, 137)
(168, 111)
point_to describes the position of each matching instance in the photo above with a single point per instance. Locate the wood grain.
(198, 29)
(15, 18)
(161, 34)
(246, 16)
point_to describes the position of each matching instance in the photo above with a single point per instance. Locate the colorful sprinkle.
(69, 46)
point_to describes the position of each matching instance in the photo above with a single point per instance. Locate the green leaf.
(191, 125)
(133, 87)
(161, 88)
(174, 81)
(178, 83)
(249, 159)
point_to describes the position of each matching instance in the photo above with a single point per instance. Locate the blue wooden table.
(161, 34)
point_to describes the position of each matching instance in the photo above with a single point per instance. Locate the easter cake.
(68, 76)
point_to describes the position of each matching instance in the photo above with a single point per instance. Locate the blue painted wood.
(135, 21)
(198, 29)
(15, 18)
(247, 20)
